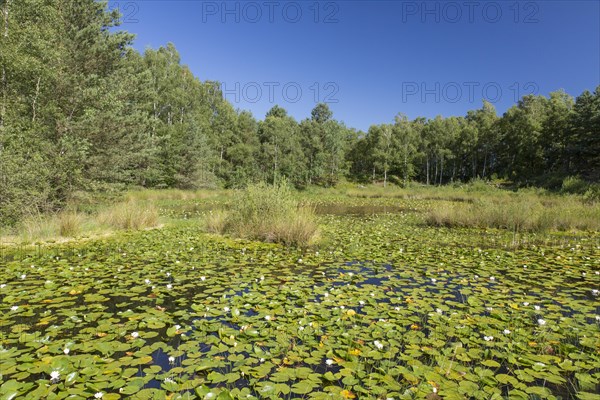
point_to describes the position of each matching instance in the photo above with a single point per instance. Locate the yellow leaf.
(347, 394)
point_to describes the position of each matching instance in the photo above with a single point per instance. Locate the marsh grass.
(267, 213)
(130, 215)
(520, 213)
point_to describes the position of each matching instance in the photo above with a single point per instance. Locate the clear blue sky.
(373, 59)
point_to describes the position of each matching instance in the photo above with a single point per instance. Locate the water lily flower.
(595, 292)
(66, 351)
(506, 332)
(177, 327)
(433, 280)
(262, 277)
(488, 338)
(362, 303)
(583, 274)
(99, 395)
(169, 286)
(378, 344)
(537, 308)
(262, 360)
(2, 286)
(597, 317)
(171, 360)
(326, 295)
(492, 278)
(397, 308)
(147, 281)
(329, 361)
(268, 317)
(54, 376)
(169, 380)
(14, 308)
(226, 309)
(299, 261)
(541, 322)
(23, 276)
(439, 311)
(525, 304)
(202, 278)
(301, 328)
(134, 334)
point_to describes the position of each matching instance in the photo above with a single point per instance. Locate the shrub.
(269, 213)
(574, 185)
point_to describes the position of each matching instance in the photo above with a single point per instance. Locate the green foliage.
(574, 185)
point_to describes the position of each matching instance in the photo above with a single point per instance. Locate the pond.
(382, 310)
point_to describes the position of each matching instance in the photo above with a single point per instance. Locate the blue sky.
(373, 59)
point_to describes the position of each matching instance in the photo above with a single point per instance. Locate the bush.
(268, 213)
(130, 215)
(574, 185)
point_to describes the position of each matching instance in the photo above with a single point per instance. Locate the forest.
(81, 110)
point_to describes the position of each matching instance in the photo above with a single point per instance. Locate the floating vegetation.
(385, 309)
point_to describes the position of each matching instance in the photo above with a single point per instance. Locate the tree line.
(81, 110)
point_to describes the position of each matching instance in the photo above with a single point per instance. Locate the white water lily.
(362, 303)
(169, 286)
(378, 344)
(14, 308)
(299, 261)
(99, 395)
(506, 332)
(226, 309)
(202, 278)
(595, 292)
(147, 281)
(2, 286)
(492, 278)
(171, 360)
(488, 338)
(54, 375)
(268, 317)
(134, 334)
(433, 280)
(177, 327)
(23, 276)
(537, 308)
(66, 351)
(525, 304)
(439, 311)
(329, 361)
(541, 322)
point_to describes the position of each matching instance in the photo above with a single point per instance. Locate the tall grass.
(267, 213)
(130, 215)
(522, 213)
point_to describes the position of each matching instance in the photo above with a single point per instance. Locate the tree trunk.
(385, 177)
(427, 170)
(441, 169)
(4, 77)
(33, 105)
